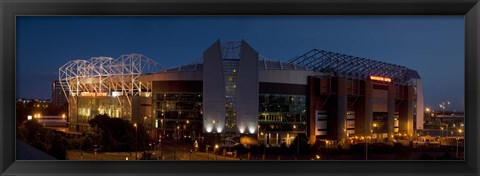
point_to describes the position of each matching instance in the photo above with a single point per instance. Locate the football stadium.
(234, 91)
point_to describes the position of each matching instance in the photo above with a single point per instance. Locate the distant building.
(25, 100)
(31, 107)
(435, 120)
(235, 91)
(51, 121)
(58, 96)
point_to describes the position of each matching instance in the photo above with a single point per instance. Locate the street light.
(457, 146)
(214, 133)
(95, 149)
(446, 131)
(214, 151)
(374, 128)
(366, 145)
(460, 131)
(371, 135)
(208, 156)
(441, 135)
(136, 137)
(443, 106)
(163, 124)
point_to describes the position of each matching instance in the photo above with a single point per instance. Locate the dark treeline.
(114, 135)
(47, 140)
(105, 135)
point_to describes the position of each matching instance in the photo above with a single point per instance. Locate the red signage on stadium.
(93, 94)
(379, 78)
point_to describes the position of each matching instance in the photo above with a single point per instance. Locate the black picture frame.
(10, 9)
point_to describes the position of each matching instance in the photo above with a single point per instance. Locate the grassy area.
(79, 155)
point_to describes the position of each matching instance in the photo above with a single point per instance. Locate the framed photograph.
(234, 88)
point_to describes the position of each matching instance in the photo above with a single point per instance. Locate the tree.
(147, 156)
(300, 144)
(47, 140)
(115, 134)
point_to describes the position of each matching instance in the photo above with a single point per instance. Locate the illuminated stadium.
(234, 91)
(105, 85)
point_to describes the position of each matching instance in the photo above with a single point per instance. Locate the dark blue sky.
(432, 45)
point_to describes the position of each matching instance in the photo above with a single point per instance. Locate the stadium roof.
(336, 64)
(326, 62)
(262, 65)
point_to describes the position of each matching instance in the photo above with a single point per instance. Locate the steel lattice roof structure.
(230, 49)
(326, 62)
(106, 75)
(342, 65)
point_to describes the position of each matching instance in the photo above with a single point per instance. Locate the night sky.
(432, 45)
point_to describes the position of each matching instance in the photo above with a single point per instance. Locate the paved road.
(167, 152)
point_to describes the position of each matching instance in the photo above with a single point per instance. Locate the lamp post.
(366, 148)
(214, 151)
(458, 138)
(443, 106)
(163, 124)
(187, 129)
(295, 129)
(441, 135)
(457, 146)
(214, 133)
(366, 144)
(178, 124)
(258, 132)
(144, 119)
(447, 131)
(95, 149)
(136, 137)
(161, 153)
(215, 138)
(208, 156)
(371, 136)
(215, 145)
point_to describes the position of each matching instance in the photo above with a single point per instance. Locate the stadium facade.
(234, 91)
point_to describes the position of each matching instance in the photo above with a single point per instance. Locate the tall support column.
(247, 90)
(360, 117)
(213, 90)
(406, 112)
(311, 110)
(342, 109)
(420, 105)
(368, 107)
(391, 112)
(411, 98)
